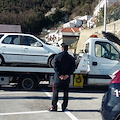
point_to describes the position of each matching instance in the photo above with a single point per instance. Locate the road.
(84, 104)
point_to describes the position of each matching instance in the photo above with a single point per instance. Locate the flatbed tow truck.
(98, 63)
(28, 78)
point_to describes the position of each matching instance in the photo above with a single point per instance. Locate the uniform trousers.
(64, 86)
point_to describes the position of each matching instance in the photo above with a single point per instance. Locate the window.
(12, 39)
(29, 41)
(105, 50)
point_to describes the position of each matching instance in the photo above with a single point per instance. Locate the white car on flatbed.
(25, 48)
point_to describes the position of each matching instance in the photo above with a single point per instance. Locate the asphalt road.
(84, 104)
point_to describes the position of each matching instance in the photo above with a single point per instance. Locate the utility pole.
(105, 15)
(99, 13)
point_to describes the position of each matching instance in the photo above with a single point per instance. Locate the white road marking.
(9, 93)
(21, 113)
(59, 105)
(35, 112)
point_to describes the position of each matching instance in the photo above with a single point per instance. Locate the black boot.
(53, 108)
(63, 107)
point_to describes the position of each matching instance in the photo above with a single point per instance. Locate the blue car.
(110, 109)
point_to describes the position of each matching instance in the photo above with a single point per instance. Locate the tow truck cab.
(103, 60)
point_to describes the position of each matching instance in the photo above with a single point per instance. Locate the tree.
(30, 14)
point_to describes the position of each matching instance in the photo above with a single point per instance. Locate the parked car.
(25, 48)
(110, 108)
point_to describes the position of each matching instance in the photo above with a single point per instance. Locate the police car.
(110, 109)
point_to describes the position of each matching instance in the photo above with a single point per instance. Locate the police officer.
(64, 66)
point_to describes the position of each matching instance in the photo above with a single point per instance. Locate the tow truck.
(98, 63)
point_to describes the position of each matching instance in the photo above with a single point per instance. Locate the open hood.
(112, 37)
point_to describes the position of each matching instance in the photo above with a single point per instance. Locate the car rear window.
(12, 39)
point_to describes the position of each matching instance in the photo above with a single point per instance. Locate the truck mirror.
(86, 50)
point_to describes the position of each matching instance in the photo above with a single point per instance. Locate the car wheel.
(50, 61)
(27, 82)
(118, 117)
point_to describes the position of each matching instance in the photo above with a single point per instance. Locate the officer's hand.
(61, 77)
(66, 77)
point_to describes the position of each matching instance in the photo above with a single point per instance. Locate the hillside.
(30, 14)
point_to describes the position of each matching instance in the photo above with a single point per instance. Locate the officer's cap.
(64, 45)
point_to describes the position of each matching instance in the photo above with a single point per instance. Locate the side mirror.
(86, 51)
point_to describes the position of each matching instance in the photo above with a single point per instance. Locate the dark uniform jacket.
(64, 64)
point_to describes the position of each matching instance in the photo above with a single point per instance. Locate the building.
(73, 23)
(69, 35)
(83, 18)
(10, 28)
(90, 22)
(77, 22)
(66, 35)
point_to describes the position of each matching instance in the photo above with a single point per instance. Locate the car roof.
(14, 34)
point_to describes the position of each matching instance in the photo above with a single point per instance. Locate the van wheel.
(27, 82)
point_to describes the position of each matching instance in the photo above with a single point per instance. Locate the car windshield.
(44, 41)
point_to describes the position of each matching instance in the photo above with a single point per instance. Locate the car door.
(105, 61)
(11, 48)
(32, 50)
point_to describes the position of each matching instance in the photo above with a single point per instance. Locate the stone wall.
(113, 27)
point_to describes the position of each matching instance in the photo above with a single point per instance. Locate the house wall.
(66, 25)
(70, 33)
(73, 23)
(70, 39)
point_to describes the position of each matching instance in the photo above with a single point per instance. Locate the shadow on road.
(45, 98)
(86, 89)
(83, 110)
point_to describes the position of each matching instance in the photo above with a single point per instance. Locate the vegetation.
(113, 14)
(30, 14)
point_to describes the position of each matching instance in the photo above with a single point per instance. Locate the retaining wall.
(113, 27)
